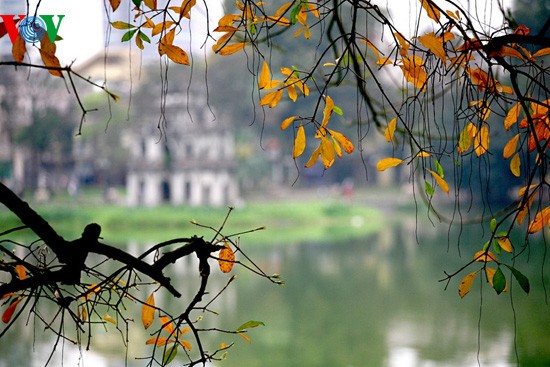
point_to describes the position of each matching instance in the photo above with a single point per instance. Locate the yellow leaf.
(423, 154)
(226, 259)
(271, 99)
(167, 324)
(109, 318)
(231, 49)
(384, 61)
(21, 272)
(414, 72)
(386, 163)
(512, 116)
(482, 141)
(481, 256)
(510, 147)
(541, 219)
(524, 209)
(327, 152)
(327, 111)
(299, 142)
(245, 337)
(342, 140)
(148, 311)
(440, 181)
(403, 44)
(286, 122)
(185, 8)
(466, 284)
(434, 44)
(465, 138)
(160, 27)
(174, 53)
(505, 244)
(431, 10)
(515, 164)
(337, 147)
(265, 76)
(314, 157)
(542, 52)
(151, 4)
(83, 314)
(292, 93)
(390, 129)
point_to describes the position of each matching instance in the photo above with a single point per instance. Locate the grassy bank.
(286, 221)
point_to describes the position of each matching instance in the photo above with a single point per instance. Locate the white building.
(191, 163)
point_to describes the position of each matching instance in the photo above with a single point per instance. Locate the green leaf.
(496, 247)
(338, 110)
(439, 168)
(429, 188)
(128, 35)
(522, 279)
(486, 245)
(144, 37)
(250, 324)
(170, 354)
(137, 2)
(294, 12)
(499, 281)
(493, 225)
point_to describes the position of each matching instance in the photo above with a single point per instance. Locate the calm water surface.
(374, 301)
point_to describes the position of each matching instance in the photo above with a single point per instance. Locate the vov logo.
(31, 29)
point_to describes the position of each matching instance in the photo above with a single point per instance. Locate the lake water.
(373, 301)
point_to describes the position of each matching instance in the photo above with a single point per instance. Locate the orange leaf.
(109, 318)
(271, 99)
(515, 164)
(21, 272)
(434, 44)
(8, 313)
(148, 311)
(431, 10)
(541, 219)
(524, 209)
(286, 123)
(414, 72)
(466, 284)
(542, 52)
(167, 324)
(403, 44)
(231, 49)
(174, 53)
(47, 52)
(440, 181)
(390, 129)
(510, 147)
(151, 4)
(185, 344)
(386, 163)
(481, 256)
(299, 142)
(19, 49)
(159, 341)
(114, 4)
(342, 140)
(186, 7)
(160, 27)
(226, 259)
(245, 337)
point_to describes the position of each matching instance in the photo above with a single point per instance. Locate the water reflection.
(375, 301)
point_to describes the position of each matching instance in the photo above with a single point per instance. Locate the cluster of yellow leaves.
(165, 28)
(292, 84)
(148, 313)
(331, 144)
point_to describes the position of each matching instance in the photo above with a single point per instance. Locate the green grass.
(286, 222)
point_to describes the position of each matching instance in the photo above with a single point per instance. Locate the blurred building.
(189, 160)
